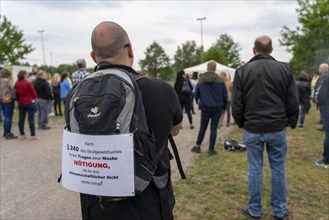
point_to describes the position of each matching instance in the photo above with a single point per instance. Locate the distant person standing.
(56, 87)
(210, 94)
(304, 94)
(193, 83)
(43, 90)
(81, 73)
(64, 86)
(183, 88)
(32, 76)
(265, 102)
(6, 102)
(321, 98)
(26, 103)
(229, 89)
(313, 82)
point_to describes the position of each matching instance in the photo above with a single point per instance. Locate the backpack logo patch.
(95, 113)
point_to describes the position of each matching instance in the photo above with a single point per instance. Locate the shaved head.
(263, 45)
(109, 40)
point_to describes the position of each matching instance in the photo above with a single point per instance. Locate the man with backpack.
(112, 51)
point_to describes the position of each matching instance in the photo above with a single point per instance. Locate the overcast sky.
(68, 25)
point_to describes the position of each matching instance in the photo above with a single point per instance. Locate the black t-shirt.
(162, 111)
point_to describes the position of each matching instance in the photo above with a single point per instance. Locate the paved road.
(29, 172)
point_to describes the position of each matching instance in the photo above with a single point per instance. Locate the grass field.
(216, 187)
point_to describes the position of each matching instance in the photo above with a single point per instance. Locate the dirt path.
(29, 172)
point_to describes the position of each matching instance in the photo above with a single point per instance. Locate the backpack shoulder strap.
(177, 158)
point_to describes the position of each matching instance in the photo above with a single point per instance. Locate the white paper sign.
(98, 164)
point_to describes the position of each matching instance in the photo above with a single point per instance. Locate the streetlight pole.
(201, 19)
(43, 48)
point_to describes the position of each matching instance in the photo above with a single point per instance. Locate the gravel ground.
(29, 172)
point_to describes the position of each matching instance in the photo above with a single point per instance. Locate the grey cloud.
(73, 4)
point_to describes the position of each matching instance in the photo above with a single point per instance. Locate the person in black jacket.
(265, 102)
(44, 95)
(304, 94)
(322, 100)
(184, 88)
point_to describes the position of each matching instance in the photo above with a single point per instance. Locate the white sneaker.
(34, 138)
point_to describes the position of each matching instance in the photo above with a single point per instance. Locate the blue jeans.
(214, 115)
(30, 110)
(325, 118)
(8, 111)
(1, 112)
(42, 107)
(276, 149)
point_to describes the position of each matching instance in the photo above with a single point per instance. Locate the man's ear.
(130, 51)
(254, 51)
(93, 56)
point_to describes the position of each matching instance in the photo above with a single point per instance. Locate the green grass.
(217, 186)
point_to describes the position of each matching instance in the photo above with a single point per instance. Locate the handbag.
(6, 99)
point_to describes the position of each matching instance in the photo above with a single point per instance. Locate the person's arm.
(292, 106)
(322, 92)
(176, 111)
(176, 129)
(197, 93)
(33, 92)
(237, 101)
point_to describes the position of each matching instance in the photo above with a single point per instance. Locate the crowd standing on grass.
(322, 100)
(26, 97)
(184, 88)
(211, 96)
(304, 94)
(264, 109)
(7, 102)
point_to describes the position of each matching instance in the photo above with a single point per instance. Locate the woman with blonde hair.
(229, 90)
(56, 87)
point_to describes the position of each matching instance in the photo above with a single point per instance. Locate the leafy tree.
(224, 51)
(231, 49)
(215, 53)
(12, 43)
(187, 55)
(156, 61)
(308, 43)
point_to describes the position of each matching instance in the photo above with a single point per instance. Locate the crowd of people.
(36, 93)
(264, 103)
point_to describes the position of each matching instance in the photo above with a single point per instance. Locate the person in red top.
(26, 96)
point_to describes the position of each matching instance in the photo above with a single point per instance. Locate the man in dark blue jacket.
(321, 98)
(265, 102)
(211, 95)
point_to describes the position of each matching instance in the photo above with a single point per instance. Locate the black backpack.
(109, 102)
(232, 145)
